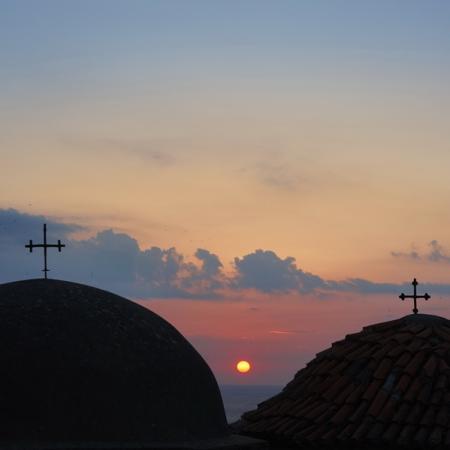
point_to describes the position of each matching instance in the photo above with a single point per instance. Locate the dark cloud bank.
(115, 262)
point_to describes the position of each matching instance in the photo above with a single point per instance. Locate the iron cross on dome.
(45, 246)
(414, 296)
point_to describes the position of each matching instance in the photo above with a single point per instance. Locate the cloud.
(154, 152)
(265, 271)
(211, 264)
(411, 255)
(278, 175)
(436, 253)
(114, 261)
(15, 227)
(109, 260)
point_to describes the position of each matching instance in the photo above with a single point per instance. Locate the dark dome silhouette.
(79, 365)
(387, 386)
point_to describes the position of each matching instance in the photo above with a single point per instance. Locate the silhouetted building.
(387, 386)
(84, 368)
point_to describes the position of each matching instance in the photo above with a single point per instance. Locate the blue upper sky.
(80, 36)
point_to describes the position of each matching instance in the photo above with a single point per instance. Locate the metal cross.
(414, 296)
(45, 246)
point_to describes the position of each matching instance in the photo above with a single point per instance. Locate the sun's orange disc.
(243, 366)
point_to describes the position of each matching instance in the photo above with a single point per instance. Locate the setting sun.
(243, 366)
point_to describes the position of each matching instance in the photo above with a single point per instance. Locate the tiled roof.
(388, 385)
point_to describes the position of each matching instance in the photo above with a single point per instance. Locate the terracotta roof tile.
(414, 365)
(315, 433)
(426, 389)
(406, 434)
(413, 390)
(442, 332)
(442, 417)
(415, 345)
(441, 382)
(428, 417)
(396, 351)
(378, 403)
(372, 390)
(363, 429)
(416, 328)
(425, 333)
(295, 426)
(391, 432)
(359, 412)
(301, 407)
(339, 349)
(447, 397)
(345, 393)
(364, 376)
(436, 436)
(380, 352)
(340, 367)
(359, 351)
(342, 414)
(431, 365)
(388, 411)
(421, 436)
(401, 338)
(376, 432)
(415, 414)
(389, 381)
(356, 367)
(356, 394)
(386, 386)
(403, 360)
(383, 368)
(443, 367)
(286, 424)
(436, 396)
(330, 434)
(402, 385)
(326, 415)
(347, 432)
(335, 387)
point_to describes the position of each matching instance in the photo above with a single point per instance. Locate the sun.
(243, 366)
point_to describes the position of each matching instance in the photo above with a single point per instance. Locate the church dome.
(387, 386)
(81, 365)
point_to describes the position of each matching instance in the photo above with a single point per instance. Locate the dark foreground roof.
(387, 386)
(82, 367)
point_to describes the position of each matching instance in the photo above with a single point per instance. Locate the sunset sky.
(266, 175)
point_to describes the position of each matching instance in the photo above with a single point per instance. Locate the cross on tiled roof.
(414, 296)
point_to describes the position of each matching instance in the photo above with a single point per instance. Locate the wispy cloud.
(435, 253)
(285, 332)
(154, 152)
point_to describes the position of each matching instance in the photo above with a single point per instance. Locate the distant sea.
(238, 398)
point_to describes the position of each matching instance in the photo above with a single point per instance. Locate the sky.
(266, 175)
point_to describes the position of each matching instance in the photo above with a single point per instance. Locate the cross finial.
(414, 296)
(45, 246)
